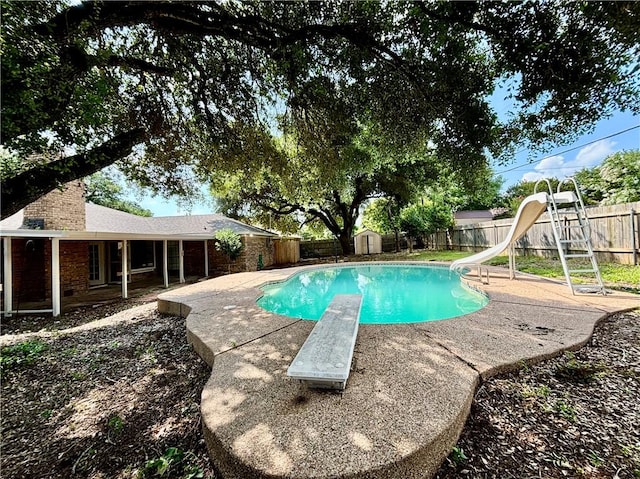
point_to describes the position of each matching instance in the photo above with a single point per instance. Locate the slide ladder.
(573, 238)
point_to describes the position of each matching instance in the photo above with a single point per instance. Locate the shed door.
(364, 244)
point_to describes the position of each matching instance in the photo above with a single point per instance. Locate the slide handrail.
(576, 189)
(551, 199)
(582, 210)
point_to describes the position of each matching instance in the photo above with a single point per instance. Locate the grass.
(457, 456)
(418, 255)
(574, 370)
(439, 255)
(173, 463)
(115, 424)
(539, 392)
(615, 276)
(565, 409)
(12, 357)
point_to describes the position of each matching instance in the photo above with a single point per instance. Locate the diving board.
(324, 360)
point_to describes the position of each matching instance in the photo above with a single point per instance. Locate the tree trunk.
(346, 242)
(397, 233)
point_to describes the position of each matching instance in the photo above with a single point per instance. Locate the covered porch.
(52, 271)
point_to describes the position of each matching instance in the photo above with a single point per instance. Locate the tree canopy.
(515, 194)
(156, 87)
(103, 190)
(382, 215)
(419, 220)
(323, 175)
(616, 180)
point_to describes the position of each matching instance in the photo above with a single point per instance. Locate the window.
(142, 255)
(173, 255)
(96, 262)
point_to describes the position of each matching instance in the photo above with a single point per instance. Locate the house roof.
(473, 214)
(106, 221)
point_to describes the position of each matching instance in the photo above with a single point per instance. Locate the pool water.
(391, 294)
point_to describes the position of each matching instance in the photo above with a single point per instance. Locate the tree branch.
(359, 197)
(21, 190)
(284, 209)
(132, 63)
(326, 218)
(188, 18)
(424, 8)
(352, 35)
(179, 18)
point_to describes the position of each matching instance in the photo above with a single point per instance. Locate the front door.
(96, 264)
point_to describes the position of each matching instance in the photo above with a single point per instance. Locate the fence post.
(632, 215)
(473, 233)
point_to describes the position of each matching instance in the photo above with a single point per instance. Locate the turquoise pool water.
(391, 294)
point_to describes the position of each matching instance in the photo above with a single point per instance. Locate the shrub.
(229, 243)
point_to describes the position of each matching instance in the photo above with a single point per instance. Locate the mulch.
(122, 401)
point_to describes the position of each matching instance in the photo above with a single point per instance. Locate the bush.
(229, 243)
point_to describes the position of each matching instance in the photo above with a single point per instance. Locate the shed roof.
(367, 231)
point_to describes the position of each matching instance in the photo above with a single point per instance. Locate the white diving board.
(324, 360)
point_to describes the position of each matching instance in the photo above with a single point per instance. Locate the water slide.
(528, 213)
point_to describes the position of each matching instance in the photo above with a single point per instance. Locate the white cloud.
(551, 166)
(556, 166)
(550, 163)
(532, 176)
(593, 154)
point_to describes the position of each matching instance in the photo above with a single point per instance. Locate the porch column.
(181, 257)
(125, 262)
(7, 281)
(206, 259)
(165, 264)
(55, 276)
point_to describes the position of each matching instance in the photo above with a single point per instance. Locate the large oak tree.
(326, 164)
(155, 87)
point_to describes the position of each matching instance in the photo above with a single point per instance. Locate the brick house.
(60, 247)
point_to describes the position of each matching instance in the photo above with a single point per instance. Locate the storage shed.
(368, 242)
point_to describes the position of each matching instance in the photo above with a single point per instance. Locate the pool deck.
(409, 392)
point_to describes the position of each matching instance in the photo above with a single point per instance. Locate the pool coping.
(411, 386)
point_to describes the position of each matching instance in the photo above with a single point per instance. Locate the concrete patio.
(409, 392)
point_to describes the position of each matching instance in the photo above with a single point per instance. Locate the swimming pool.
(391, 293)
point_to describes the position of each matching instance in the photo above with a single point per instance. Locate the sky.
(171, 207)
(619, 132)
(586, 152)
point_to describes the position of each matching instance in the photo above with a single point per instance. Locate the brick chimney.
(61, 209)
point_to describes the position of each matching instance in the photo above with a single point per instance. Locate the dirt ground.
(576, 416)
(113, 392)
(116, 401)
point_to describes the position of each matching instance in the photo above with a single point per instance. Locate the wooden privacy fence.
(286, 250)
(319, 248)
(614, 234)
(330, 247)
